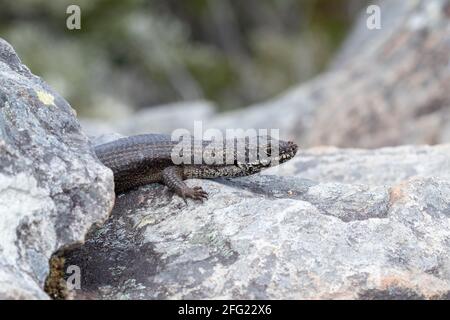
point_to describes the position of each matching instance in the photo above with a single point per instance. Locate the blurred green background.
(131, 54)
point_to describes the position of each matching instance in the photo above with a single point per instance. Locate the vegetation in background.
(134, 53)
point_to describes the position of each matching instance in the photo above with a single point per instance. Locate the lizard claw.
(199, 194)
(195, 193)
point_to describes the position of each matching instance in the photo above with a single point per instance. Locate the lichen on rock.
(52, 187)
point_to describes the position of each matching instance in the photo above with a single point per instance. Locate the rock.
(331, 223)
(387, 87)
(363, 40)
(105, 138)
(166, 118)
(386, 166)
(159, 119)
(52, 187)
(395, 90)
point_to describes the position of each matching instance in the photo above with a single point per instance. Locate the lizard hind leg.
(172, 177)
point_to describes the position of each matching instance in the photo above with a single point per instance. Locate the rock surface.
(52, 187)
(339, 224)
(387, 87)
(161, 119)
(332, 223)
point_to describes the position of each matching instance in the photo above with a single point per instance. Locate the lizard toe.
(199, 194)
(196, 193)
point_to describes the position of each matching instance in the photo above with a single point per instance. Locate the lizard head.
(264, 152)
(239, 156)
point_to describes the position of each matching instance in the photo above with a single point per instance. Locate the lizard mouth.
(287, 151)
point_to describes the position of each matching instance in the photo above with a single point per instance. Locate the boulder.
(329, 224)
(158, 119)
(52, 187)
(386, 87)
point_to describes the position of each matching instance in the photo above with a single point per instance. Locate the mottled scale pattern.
(144, 159)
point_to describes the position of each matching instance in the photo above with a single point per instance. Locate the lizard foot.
(195, 193)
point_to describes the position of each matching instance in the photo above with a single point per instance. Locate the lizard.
(148, 158)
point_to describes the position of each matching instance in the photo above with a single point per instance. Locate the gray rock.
(166, 118)
(105, 138)
(363, 40)
(387, 87)
(159, 119)
(376, 167)
(332, 223)
(359, 224)
(52, 187)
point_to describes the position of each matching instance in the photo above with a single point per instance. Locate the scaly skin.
(145, 159)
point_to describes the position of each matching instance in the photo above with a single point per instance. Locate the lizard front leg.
(172, 177)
